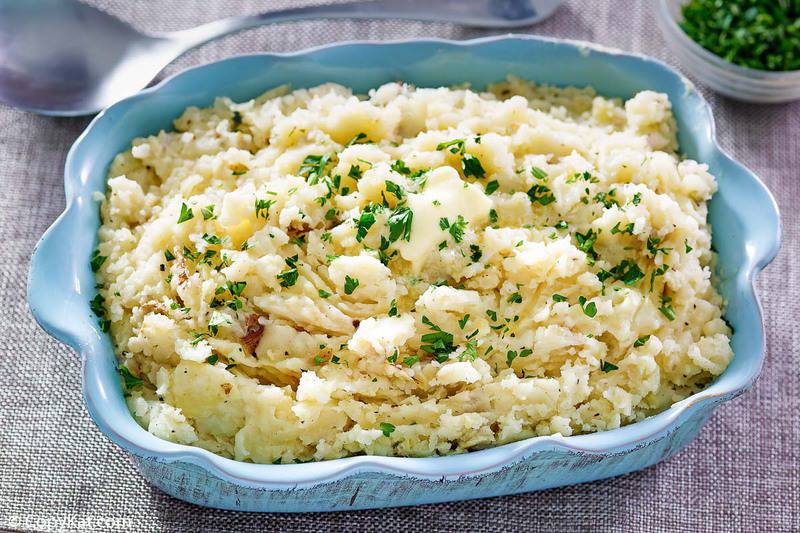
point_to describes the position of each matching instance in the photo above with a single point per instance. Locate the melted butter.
(445, 195)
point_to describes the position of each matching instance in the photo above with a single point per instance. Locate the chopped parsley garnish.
(515, 298)
(439, 343)
(212, 359)
(386, 428)
(589, 309)
(627, 229)
(757, 34)
(470, 352)
(313, 167)
(355, 172)
(96, 304)
(357, 139)
(400, 224)
(561, 225)
(323, 294)
(641, 341)
(686, 246)
(492, 186)
(585, 176)
(652, 247)
(637, 198)
(492, 216)
(236, 287)
(97, 260)
(510, 356)
(463, 321)
(364, 222)
(456, 229)
(245, 246)
(475, 253)
(186, 214)
(262, 208)
(586, 242)
(541, 194)
(666, 309)
(627, 272)
(411, 360)
(129, 379)
(289, 277)
(212, 239)
(559, 298)
(471, 166)
(208, 212)
(188, 254)
(350, 284)
(538, 173)
(492, 314)
(400, 167)
(169, 256)
(393, 308)
(605, 366)
(395, 189)
(660, 271)
(456, 146)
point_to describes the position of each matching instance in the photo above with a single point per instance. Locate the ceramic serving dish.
(746, 233)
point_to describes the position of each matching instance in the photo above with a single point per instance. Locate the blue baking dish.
(746, 233)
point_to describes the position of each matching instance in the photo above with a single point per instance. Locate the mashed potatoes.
(314, 274)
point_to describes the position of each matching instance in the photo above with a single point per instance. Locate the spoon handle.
(472, 13)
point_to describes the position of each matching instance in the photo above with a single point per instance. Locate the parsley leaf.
(350, 284)
(471, 166)
(186, 214)
(386, 428)
(400, 224)
(605, 366)
(586, 242)
(456, 229)
(400, 167)
(394, 189)
(262, 208)
(129, 379)
(641, 341)
(313, 167)
(538, 173)
(97, 260)
(541, 194)
(589, 309)
(364, 222)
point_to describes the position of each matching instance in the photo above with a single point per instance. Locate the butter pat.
(445, 195)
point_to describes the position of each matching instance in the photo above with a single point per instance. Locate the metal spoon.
(65, 58)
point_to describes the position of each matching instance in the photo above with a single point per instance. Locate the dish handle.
(55, 294)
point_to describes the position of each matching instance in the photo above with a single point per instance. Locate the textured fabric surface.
(58, 472)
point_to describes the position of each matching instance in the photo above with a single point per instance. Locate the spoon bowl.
(66, 58)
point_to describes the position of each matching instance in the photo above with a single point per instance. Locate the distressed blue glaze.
(746, 234)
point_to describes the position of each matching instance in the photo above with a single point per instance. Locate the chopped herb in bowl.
(757, 34)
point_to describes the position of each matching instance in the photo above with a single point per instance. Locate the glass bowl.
(724, 77)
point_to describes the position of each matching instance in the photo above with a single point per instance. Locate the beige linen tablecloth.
(58, 472)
